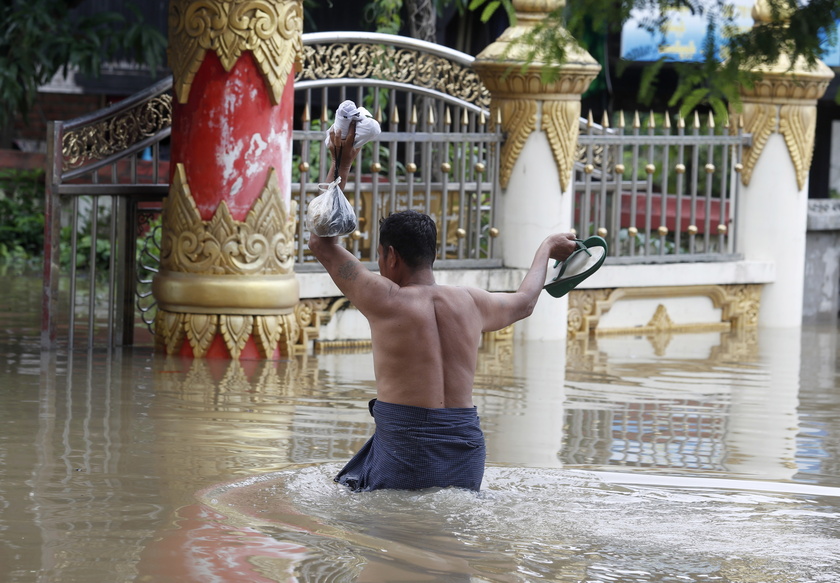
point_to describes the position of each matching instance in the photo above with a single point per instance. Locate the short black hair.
(412, 234)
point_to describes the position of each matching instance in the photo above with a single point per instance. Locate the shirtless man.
(425, 340)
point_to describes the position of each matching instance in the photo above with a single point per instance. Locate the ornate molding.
(560, 121)
(783, 99)
(261, 244)
(739, 305)
(172, 329)
(398, 64)
(117, 133)
(269, 29)
(760, 121)
(798, 125)
(519, 120)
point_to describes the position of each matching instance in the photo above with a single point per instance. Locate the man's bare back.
(425, 340)
(425, 352)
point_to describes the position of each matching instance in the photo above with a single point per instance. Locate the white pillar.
(772, 224)
(534, 205)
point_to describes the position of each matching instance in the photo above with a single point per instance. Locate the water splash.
(536, 524)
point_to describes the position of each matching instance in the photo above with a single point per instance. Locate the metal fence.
(659, 193)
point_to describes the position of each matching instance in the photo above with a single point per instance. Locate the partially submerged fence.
(659, 193)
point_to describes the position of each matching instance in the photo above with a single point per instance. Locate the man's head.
(413, 236)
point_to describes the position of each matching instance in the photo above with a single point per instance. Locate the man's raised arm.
(501, 309)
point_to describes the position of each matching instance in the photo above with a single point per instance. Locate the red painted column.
(227, 287)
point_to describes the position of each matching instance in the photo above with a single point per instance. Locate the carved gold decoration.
(236, 329)
(201, 330)
(560, 122)
(269, 332)
(270, 29)
(517, 84)
(660, 320)
(519, 120)
(739, 305)
(262, 244)
(390, 63)
(783, 99)
(116, 133)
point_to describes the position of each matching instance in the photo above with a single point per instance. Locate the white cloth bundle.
(367, 128)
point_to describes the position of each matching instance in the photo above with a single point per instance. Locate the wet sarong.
(415, 448)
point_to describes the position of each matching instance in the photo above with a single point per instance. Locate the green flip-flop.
(564, 276)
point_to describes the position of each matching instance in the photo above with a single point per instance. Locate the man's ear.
(391, 257)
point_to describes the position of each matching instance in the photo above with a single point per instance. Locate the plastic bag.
(330, 214)
(367, 128)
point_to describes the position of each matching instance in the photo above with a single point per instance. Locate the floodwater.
(696, 457)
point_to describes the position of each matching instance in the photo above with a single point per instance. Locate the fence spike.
(636, 123)
(413, 120)
(447, 117)
(711, 121)
(378, 115)
(324, 117)
(667, 122)
(305, 117)
(605, 120)
(651, 120)
(696, 120)
(589, 121)
(741, 121)
(726, 121)
(395, 115)
(498, 116)
(431, 115)
(465, 119)
(680, 121)
(481, 119)
(621, 119)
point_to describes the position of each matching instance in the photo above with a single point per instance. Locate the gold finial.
(696, 120)
(465, 119)
(667, 123)
(431, 115)
(413, 115)
(621, 119)
(680, 121)
(499, 116)
(395, 115)
(636, 123)
(481, 119)
(651, 121)
(324, 117)
(711, 121)
(447, 117)
(378, 115)
(605, 120)
(305, 117)
(589, 121)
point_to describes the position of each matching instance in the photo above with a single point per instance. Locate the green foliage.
(385, 15)
(21, 215)
(38, 38)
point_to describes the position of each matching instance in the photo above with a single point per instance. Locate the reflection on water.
(128, 466)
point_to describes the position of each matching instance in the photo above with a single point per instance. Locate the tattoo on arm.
(349, 271)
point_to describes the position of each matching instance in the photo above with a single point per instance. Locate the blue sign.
(684, 33)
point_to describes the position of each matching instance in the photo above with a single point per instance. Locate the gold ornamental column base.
(226, 316)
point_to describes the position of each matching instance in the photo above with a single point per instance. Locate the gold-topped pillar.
(780, 111)
(227, 287)
(540, 117)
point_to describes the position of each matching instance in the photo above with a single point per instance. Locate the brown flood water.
(695, 457)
